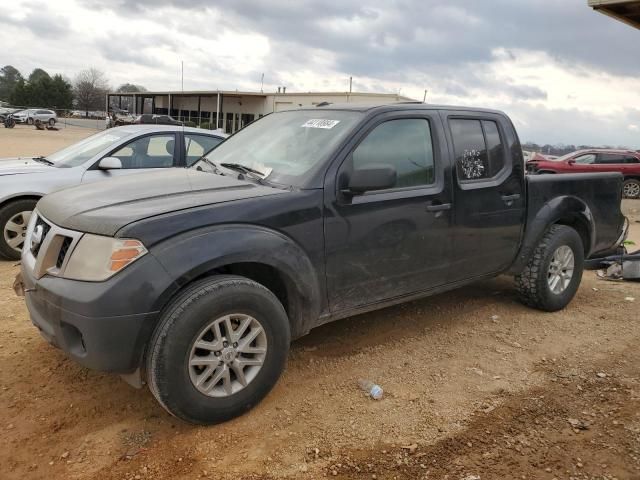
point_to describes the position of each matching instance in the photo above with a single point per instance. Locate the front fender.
(565, 209)
(197, 253)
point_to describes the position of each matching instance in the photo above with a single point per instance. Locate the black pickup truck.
(196, 280)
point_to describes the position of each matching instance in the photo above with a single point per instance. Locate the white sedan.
(108, 154)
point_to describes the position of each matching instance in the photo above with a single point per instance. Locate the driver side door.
(143, 154)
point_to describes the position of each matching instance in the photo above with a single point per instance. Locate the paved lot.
(476, 385)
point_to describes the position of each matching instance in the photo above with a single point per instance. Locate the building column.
(218, 113)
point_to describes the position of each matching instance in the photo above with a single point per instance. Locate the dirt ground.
(476, 385)
(26, 140)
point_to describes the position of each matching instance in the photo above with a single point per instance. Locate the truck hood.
(21, 165)
(105, 207)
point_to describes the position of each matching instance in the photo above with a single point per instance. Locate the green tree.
(9, 78)
(37, 75)
(130, 88)
(42, 90)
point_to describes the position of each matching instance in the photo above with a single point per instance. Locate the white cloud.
(554, 86)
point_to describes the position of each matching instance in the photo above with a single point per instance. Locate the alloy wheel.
(561, 269)
(227, 355)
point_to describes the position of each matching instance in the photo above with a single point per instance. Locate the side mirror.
(372, 177)
(110, 163)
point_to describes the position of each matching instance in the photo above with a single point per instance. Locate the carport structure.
(627, 11)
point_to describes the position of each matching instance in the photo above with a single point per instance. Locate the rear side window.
(478, 149)
(610, 158)
(197, 145)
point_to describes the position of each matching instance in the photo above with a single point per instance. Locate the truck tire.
(14, 218)
(631, 188)
(218, 349)
(552, 276)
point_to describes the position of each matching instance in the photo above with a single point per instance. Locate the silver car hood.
(21, 165)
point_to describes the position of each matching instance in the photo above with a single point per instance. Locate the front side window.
(197, 145)
(404, 144)
(478, 147)
(154, 151)
(81, 152)
(587, 159)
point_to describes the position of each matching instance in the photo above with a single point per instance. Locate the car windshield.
(283, 147)
(563, 157)
(80, 152)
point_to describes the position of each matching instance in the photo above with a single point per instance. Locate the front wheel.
(14, 218)
(218, 349)
(30, 121)
(631, 188)
(552, 276)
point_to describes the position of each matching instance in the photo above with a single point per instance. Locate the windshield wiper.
(252, 172)
(213, 165)
(43, 160)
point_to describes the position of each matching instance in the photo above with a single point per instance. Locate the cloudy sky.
(563, 72)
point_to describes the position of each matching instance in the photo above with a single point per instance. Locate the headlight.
(97, 258)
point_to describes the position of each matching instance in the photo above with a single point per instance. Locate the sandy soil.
(26, 140)
(476, 386)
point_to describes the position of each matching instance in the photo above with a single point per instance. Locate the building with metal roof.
(232, 110)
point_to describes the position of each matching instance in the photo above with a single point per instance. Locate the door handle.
(438, 207)
(509, 199)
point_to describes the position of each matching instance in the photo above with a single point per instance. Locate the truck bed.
(597, 194)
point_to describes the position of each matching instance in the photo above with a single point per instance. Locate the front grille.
(50, 246)
(40, 223)
(64, 249)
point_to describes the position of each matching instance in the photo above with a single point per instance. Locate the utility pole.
(424, 99)
(262, 84)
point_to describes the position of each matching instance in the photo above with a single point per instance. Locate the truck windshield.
(80, 152)
(283, 147)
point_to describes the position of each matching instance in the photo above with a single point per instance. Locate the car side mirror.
(372, 177)
(571, 162)
(110, 163)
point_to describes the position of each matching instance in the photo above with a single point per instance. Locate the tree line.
(85, 92)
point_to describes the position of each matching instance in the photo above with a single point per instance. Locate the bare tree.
(89, 90)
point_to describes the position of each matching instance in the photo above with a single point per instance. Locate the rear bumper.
(101, 325)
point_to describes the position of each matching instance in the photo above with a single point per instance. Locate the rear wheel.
(631, 188)
(218, 349)
(14, 218)
(552, 276)
(52, 122)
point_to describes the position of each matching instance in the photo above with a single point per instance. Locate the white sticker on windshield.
(320, 123)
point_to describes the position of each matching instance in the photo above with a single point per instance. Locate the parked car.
(116, 152)
(148, 118)
(30, 116)
(5, 111)
(197, 279)
(627, 162)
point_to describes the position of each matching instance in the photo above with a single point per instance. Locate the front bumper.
(101, 325)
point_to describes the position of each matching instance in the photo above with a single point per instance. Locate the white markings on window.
(471, 165)
(320, 123)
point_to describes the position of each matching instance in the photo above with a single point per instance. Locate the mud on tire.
(533, 283)
(171, 350)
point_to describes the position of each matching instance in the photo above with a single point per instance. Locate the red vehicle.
(626, 162)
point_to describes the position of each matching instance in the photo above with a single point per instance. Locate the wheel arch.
(26, 196)
(257, 253)
(564, 210)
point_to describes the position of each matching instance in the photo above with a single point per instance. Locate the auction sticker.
(320, 123)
